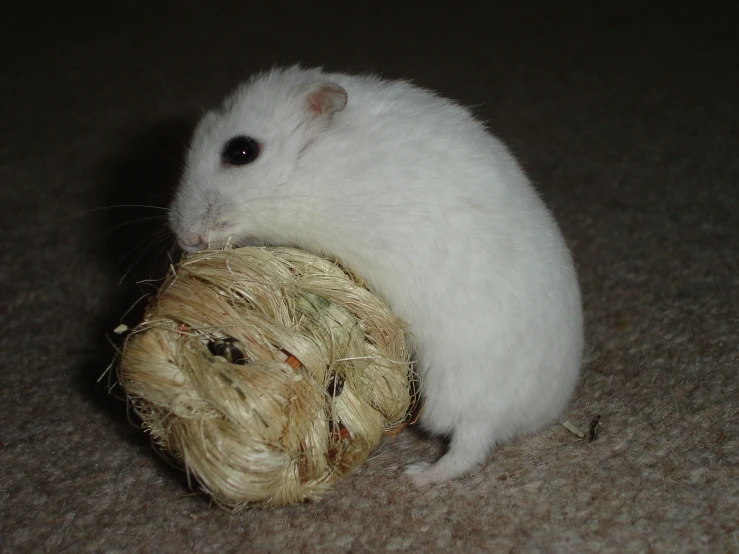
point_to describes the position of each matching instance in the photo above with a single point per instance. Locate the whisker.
(143, 253)
(158, 237)
(139, 220)
(161, 79)
(164, 253)
(101, 208)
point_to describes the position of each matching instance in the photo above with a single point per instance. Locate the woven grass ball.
(269, 372)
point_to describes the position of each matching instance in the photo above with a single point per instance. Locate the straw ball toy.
(268, 372)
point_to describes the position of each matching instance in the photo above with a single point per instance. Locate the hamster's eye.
(240, 150)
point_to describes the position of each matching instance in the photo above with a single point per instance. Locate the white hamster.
(411, 192)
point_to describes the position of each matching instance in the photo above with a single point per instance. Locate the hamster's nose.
(191, 242)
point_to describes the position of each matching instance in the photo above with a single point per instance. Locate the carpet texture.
(626, 118)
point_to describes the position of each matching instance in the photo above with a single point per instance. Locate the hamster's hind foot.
(467, 451)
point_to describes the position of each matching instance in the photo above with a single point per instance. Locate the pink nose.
(192, 241)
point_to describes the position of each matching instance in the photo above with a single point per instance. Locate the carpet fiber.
(626, 119)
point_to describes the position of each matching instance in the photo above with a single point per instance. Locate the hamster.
(411, 192)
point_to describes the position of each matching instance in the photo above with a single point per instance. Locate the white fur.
(412, 193)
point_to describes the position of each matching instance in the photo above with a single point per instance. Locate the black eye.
(240, 151)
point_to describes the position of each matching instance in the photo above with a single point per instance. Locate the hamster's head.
(243, 153)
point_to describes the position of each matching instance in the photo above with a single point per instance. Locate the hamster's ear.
(326, 100)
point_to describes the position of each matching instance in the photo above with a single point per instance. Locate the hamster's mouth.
(189, 248)
(195, 245)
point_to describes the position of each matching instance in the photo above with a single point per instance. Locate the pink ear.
(327, 100)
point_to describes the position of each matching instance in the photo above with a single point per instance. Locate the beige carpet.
(625, 117)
